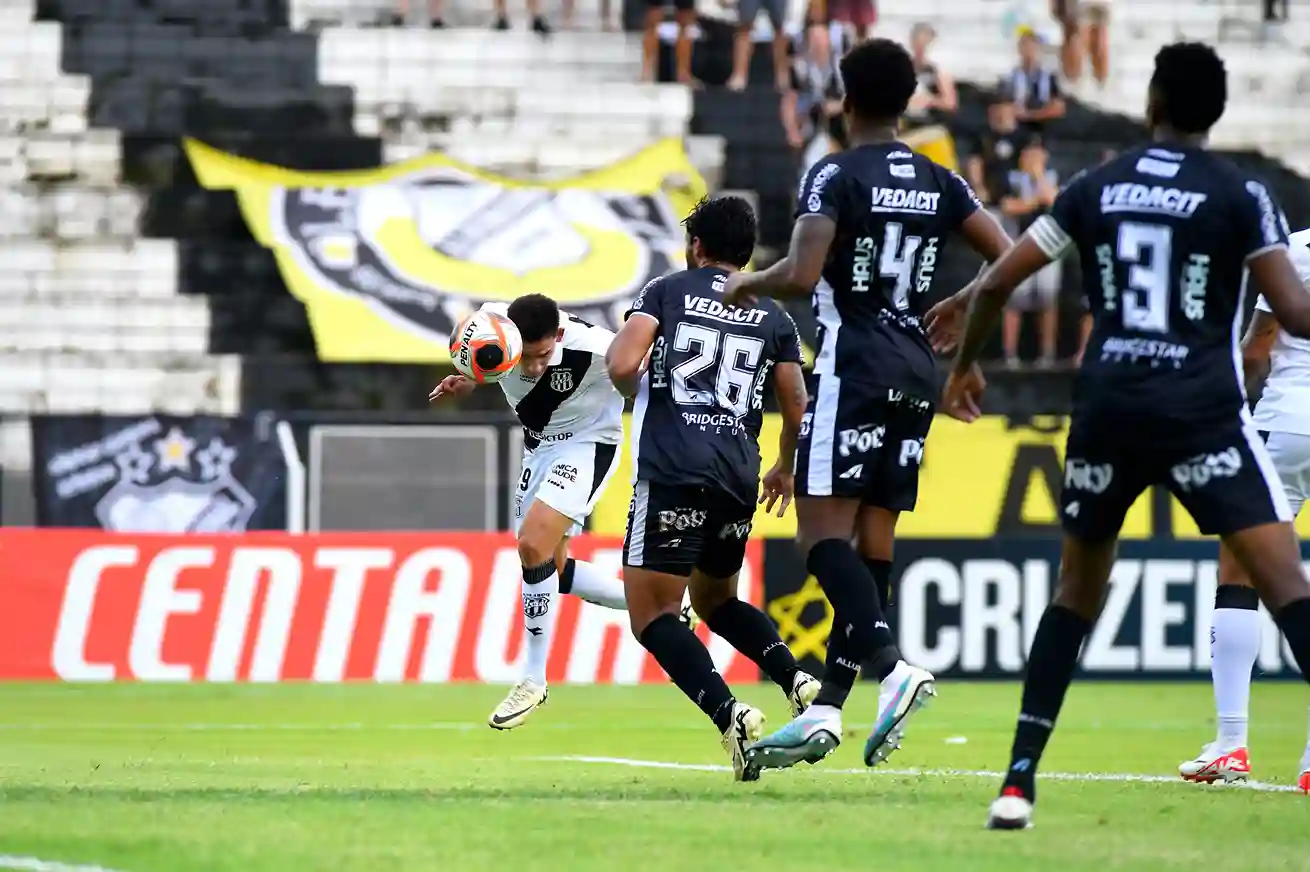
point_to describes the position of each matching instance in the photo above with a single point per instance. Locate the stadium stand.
(127, 287)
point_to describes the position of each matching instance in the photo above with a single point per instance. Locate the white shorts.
(1291, 455)
(569, 477)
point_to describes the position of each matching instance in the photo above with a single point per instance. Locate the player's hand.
(451, 385)
(734, 292)
(945, 321)
(962, 397)
(777, 487)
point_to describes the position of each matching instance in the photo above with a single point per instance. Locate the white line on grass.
(1120, 777)
(35, 864)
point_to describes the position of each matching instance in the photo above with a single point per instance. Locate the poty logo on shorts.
(860, 440)
(911, 452)
(681, 519)
(1203, 468)
(735, 530)
(1090, 477)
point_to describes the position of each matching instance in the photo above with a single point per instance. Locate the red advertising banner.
(83, 605)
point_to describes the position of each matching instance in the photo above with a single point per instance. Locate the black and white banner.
(158, 473)
(969, 608)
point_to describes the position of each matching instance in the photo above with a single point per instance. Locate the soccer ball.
(485, 346)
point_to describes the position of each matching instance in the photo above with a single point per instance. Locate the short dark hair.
(725, 227)
(536, 316)
(879, 78)
(1189, 87)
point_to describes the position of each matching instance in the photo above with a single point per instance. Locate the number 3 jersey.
(1163, 234)
(699, 407)
(893, 209)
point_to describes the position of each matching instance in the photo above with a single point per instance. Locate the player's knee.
(707, 596)
(533, 552)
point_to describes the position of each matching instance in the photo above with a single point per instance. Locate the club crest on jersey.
(561, 380)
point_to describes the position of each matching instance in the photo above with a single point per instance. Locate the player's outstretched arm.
(1276, 278)
(798, 271)
(1257, 345)
(779, 483)
(452, 386)
(945, 321)
(992, 290)
(627, 353)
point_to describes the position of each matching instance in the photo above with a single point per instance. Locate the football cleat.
(807, 738)
(907, 690)
(746, 727)
(1010, 811)
(804, 688)
(525, 698)
(1304, 781)
(687, 614)
(1217, 764)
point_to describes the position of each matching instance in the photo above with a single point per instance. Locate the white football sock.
(540, 593)
(594, 586)
(1234, 646)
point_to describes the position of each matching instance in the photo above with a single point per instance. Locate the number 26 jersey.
(699, 407)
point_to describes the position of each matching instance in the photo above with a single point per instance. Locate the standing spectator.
(1031, 191)
(436, 17)
(997, 155)
(860, 14)
(1086, 25)
(743, 47)
(1038, 97)
(684, 13)
(811, 109)
(936, 100)
(539, 23)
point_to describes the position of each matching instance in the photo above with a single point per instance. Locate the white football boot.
(746, 727)
(1216, 763)
(901, 694)
(525, 698)
(804, 688)
(1010, 811)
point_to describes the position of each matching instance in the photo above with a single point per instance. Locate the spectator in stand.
(1086, 25)
(860, 14)
(1038, 98)
(999, 147)
(436, 17)
(684, 13)
(811, 109)
(1030, 192)
(743, 47)
(936, 101)
(539, 23)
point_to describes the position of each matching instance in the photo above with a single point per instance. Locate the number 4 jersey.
(698, 411)
(1163, 234)
(893, 209)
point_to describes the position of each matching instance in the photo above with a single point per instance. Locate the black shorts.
(862, 443)
(679, 5)
(676, 529)
(1222, 475)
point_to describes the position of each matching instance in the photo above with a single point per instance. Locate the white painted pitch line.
(36, 864)
(1118, 777)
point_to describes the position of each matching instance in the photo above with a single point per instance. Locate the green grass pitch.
(148, 778)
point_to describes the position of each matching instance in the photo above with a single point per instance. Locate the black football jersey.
(698, 411)
(1163, 233)
(893, 209)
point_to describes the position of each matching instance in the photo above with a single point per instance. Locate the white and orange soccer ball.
(485, 346)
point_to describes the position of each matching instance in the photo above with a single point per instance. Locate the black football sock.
(689, 666)
(840, 669)
(857, 612)
(1051, 664)
(881, 570)
(1294, 620)
(750, 631)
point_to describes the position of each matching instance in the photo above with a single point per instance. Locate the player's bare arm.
(1257, 345)
(798, 271)
(964, 387)
(945, 321)
(452, 386)
(1276, 278)
(625, 357)
(779, 483)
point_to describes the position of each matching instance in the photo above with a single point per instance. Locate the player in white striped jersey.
(572, 426)
(1282, 416)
